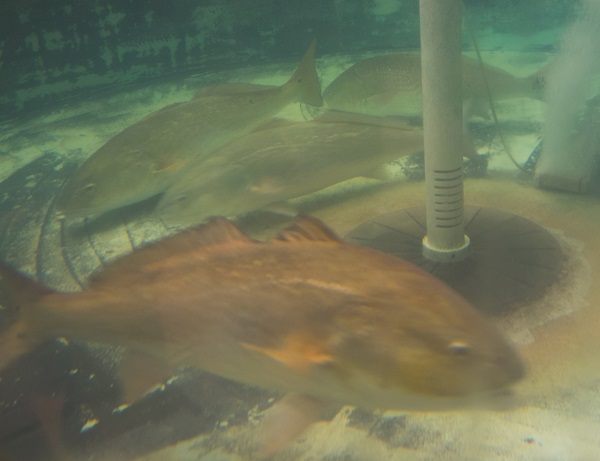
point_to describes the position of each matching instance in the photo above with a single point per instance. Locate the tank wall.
(56, 49)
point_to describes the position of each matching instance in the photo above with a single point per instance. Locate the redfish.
(304, 313)
(391, 84)
(286, 161)
(143, 159)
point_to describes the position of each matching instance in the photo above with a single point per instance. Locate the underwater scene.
(335, 230)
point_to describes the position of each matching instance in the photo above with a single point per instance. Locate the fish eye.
(181, 198)
(459, 348)
(89, 187)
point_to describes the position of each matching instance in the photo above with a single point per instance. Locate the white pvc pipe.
(441, 63)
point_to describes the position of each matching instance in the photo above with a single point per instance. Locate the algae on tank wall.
(56, 49)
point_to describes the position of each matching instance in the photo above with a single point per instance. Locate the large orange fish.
(304, 313)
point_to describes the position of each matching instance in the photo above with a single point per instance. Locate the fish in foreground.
(285, 161)
(143, 159)
(391, 84)
(304, 313)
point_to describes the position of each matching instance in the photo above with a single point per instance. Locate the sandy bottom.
(558, 412)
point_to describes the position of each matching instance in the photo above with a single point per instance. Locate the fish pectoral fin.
(169, 167)
(296, 352)
(286, 420)
(139, 372)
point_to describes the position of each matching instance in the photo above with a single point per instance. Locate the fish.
(303, 313)
(391, 84)
(287, 160)
(143, 160)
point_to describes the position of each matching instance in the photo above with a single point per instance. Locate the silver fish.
(391, 84)
(144, 159)
(286, 161)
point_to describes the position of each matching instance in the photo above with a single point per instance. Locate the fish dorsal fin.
(308, 228)
(214, 233)
(219, 231)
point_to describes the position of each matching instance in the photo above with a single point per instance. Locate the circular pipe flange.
(511, 259)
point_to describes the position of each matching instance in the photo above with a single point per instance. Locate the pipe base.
(511, 260)
(442, 255)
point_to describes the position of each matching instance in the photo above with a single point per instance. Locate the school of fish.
(145, 158)
(324, 321)
(182, 150)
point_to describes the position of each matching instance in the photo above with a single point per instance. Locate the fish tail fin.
(536, 82)
(17, 293)
(305, 80)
